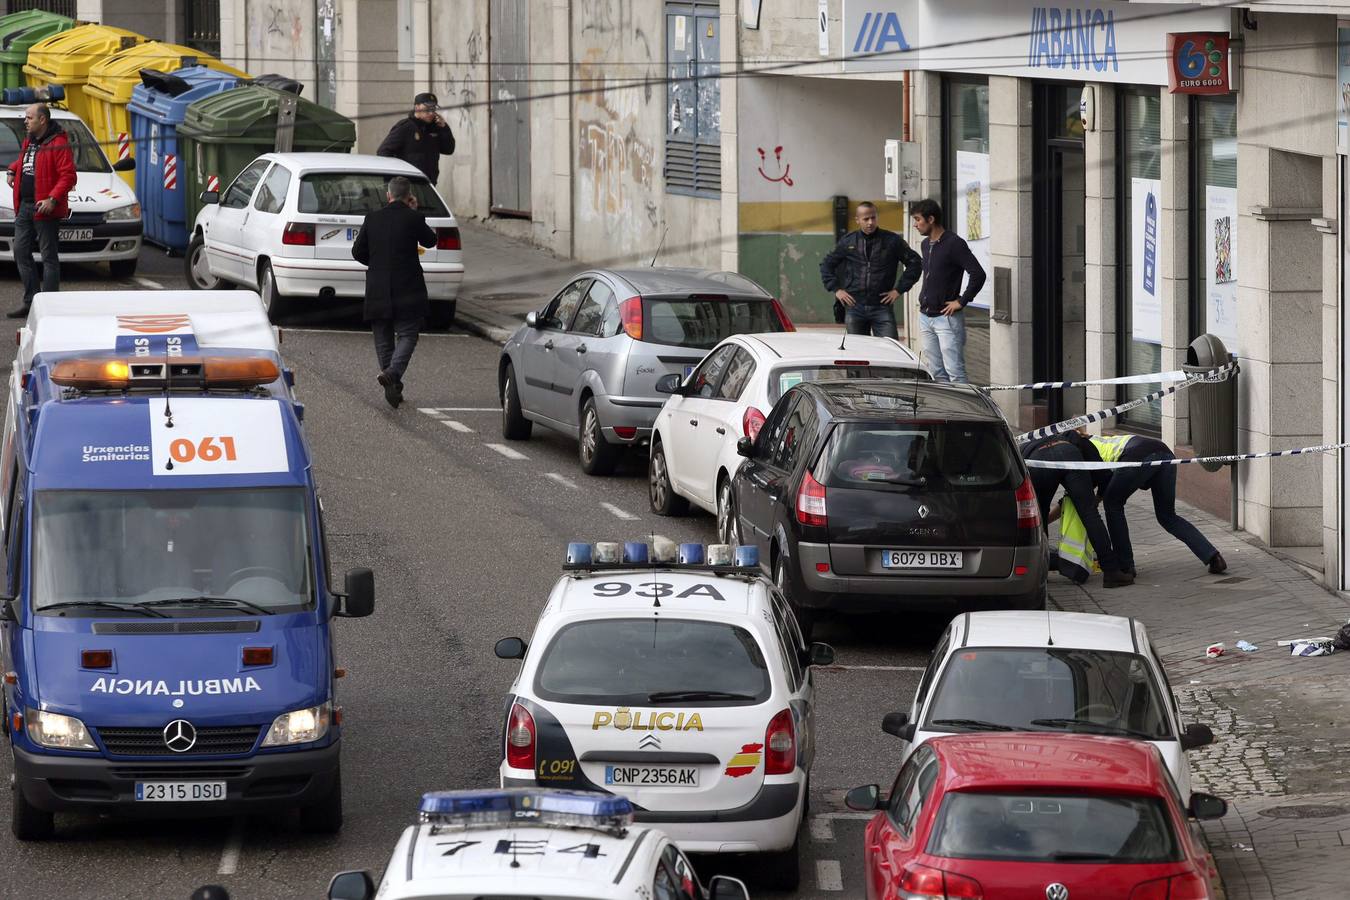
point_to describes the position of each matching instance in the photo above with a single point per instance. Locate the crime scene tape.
(1150, 378)
(1220, 374)
(1153, 463)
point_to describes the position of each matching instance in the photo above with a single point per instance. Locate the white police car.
(530, 843)
(681, 685)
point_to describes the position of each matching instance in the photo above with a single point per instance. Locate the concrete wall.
(263, 36)
(459, 73)
(372, 88)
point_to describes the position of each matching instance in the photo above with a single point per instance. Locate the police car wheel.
(781, 871)
(325, 816)
(515, 427)
(598, 456)
(26, 821)
(660, 492)
(198, 274)
(806, 617)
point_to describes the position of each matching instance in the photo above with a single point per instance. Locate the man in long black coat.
(396, 293)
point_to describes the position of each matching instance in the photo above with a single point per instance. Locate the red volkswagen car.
(1033, 816)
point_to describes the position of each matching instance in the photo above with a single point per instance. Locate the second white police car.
(679, 681)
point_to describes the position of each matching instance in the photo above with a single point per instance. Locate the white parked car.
(286, 224)
(728, 395)
(1057, 672)
(105, 219)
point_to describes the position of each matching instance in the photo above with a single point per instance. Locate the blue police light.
(634, 552)
(691, 554)
(747, 556)
(526, 806)
(578, 554)
(25, 95)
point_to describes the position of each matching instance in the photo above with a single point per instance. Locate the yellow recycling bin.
(112, 80)
(66, 59)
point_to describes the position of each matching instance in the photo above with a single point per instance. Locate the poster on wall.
(1145, 285)
(1221, 264)
(973, 214)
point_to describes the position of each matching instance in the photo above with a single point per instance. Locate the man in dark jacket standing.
(861, 273)
(942, 303)
(42, 178)
(396, 293)
(422, 138)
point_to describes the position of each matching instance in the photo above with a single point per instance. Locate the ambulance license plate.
(921, 559)
(75, 234)
(651, 776)
(180, 791)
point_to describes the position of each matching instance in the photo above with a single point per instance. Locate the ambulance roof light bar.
(739, 559)
(204, 373)
(516, 807)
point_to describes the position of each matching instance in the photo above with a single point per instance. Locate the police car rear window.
(636, 662)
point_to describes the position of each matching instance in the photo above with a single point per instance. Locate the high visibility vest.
(1077, 560)
(1110, 448)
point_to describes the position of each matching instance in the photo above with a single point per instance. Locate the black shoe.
(20, 313)
(1117, 579)
(393, 395)
(1130, 571)
(1217, 565)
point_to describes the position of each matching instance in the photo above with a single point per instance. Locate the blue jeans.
(42, 232)
(874, 318)
(395, 341)
(944, 346)
(1162, 481)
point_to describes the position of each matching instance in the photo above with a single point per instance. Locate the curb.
(482, 328)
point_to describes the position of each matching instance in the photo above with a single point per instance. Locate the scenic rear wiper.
(104, 604)
(213, 601)
(1102, 727)
(677, 696)
(974, 723)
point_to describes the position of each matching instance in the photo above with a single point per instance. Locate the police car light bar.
(526, 806)
(121, 374)
(740, 559)
(21, 96)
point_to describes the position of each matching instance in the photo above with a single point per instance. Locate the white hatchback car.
(683, 686)
(1049, 671)
(729, 394)
(105, 219)
(286, 224)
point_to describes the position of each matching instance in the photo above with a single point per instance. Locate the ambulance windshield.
(248, 550)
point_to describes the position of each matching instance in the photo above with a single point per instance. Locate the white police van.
(680, 683)
(563, 845)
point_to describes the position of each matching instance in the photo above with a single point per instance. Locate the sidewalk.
(1279, 721)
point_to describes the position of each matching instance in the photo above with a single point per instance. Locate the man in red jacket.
(42, 178)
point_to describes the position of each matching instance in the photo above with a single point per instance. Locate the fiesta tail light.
(1188, 886)
(811, 502)
(1028, 511)
(520, 738)
(298, 234)
(630, 313)
(447, 238)
(752, 422)
(782, 316)
(780, 745)
(918, 882)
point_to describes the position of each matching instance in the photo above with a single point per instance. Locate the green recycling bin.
(223, 133)
(20, 31)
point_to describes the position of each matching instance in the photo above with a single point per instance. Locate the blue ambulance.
(167, 644)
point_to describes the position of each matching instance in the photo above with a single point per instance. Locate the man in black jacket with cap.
(422, 138)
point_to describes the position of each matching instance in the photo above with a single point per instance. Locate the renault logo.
(180, 736)
(1056, 891)
(923, 511)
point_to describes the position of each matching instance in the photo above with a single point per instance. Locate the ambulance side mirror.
(7, 610)
(358, 600)
(510, 648)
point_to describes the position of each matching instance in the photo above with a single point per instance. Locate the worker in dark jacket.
(861, 273)
(422, 138)
(396, 293)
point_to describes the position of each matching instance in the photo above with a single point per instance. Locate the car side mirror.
(745, 447)
(1207, 806)
(724, 887)
(510, 648)
(818, 654)
(864, 799)
(207, 197)
(125, 164)
(358, 596)
(532, 319)
(898, 724)
(351, 886)
(668, 384)
(1196, 735)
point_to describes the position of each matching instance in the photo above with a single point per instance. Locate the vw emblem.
(923, 511)
(1056, 891)
(180, 736)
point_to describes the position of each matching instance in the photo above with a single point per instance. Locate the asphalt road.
(465, 542)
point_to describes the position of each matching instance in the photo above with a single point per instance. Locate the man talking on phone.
(422, 138)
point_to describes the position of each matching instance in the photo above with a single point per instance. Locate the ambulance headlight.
(128, 213)
(300, 726)
(49, 729)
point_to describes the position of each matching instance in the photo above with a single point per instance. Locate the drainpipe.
(904, 134)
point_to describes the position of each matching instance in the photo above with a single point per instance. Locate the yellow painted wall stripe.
(808, 217)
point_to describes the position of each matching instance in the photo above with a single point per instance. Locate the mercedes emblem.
(923, 511)
(180, 736)
(1056, 891)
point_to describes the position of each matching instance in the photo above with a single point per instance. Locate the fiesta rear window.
(704, 323)
(653, 661)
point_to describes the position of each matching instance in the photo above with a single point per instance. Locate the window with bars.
(201, 25)
(693, 99)
(61, 7)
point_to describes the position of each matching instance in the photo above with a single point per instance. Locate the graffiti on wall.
(620, 164)
(780, 172)
(280, 35)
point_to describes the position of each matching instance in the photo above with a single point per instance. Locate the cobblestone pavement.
(1280, 722)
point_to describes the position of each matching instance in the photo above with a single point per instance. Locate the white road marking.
(430, 411)
(457, 426)
(229, 857)
(561, 479)
(828, 876)
(822, 829)
(873, 668)
(146, 282)
(618, 513)
(446, 409)
(507, 451)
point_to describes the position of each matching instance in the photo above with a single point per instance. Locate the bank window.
(966, 201)
(1213, 276)
(1139, 306)
(693, 162)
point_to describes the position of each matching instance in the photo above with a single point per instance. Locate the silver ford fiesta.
(587, 363)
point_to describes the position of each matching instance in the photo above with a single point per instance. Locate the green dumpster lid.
(21, 30)
(250, 113)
